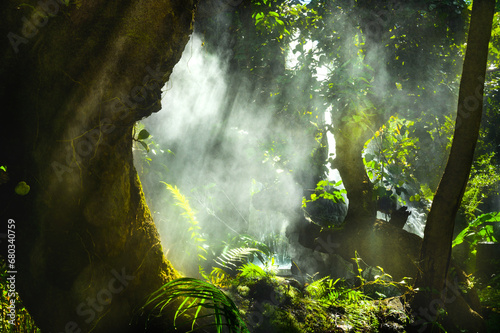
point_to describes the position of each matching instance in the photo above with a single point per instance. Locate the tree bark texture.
(76, 76)
(436, 248)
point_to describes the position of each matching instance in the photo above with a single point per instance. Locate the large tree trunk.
(75, 79)
(436, 247)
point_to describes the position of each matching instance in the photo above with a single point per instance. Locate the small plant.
(324, 190)
(331, 292)
(218, 277)
(359, 311)
(190, 216)
(317, 289)
(228, 263)
(251, 270)
(478, 230)
(489, 292)
(247, 241)
(196, 301)
(232, 259)
(141, 137)
(483, 183)
(377, 284)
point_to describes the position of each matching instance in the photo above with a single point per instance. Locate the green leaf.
(145, 145)
(143, 135)
(369, 157)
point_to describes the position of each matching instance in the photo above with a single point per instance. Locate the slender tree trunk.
(75, 79)
(436, 247)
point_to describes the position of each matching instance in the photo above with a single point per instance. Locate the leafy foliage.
(23, 321)
(483, 181)
(234, 258)
(141, 137)
(334, 292)
(251, 270)
(249, 242)
(326, 190)
(359, 310)
(481, 229)
(190, 216)
(196, 301)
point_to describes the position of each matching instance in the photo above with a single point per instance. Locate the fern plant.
(234, 258)
(218, 277)
(251, 270)
(327, 292)
(228, 263)
(317, 289)
(190, 216)
(196, 301)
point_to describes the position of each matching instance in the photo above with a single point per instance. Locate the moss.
(282, 321)
(243, 290)
(271, 304)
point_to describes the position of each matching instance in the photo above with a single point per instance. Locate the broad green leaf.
(369, 157)
(143, 135)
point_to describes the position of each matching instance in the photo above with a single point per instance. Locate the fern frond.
(200, 300)
(218, 277)
(250, 270)
(190, 216)
(318, 288)
(183, 203)
(234, 258)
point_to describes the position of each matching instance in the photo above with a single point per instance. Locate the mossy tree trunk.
(75, 79)
(350, 140)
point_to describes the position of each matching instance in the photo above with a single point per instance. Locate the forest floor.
(278, 305)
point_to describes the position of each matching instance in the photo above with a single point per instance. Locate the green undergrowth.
(488, 291)
(270, 303)
(21, 321)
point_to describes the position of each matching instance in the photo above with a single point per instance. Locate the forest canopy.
(257, 165)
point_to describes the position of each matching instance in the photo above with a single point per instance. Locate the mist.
(217, 142)
(210, 147)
